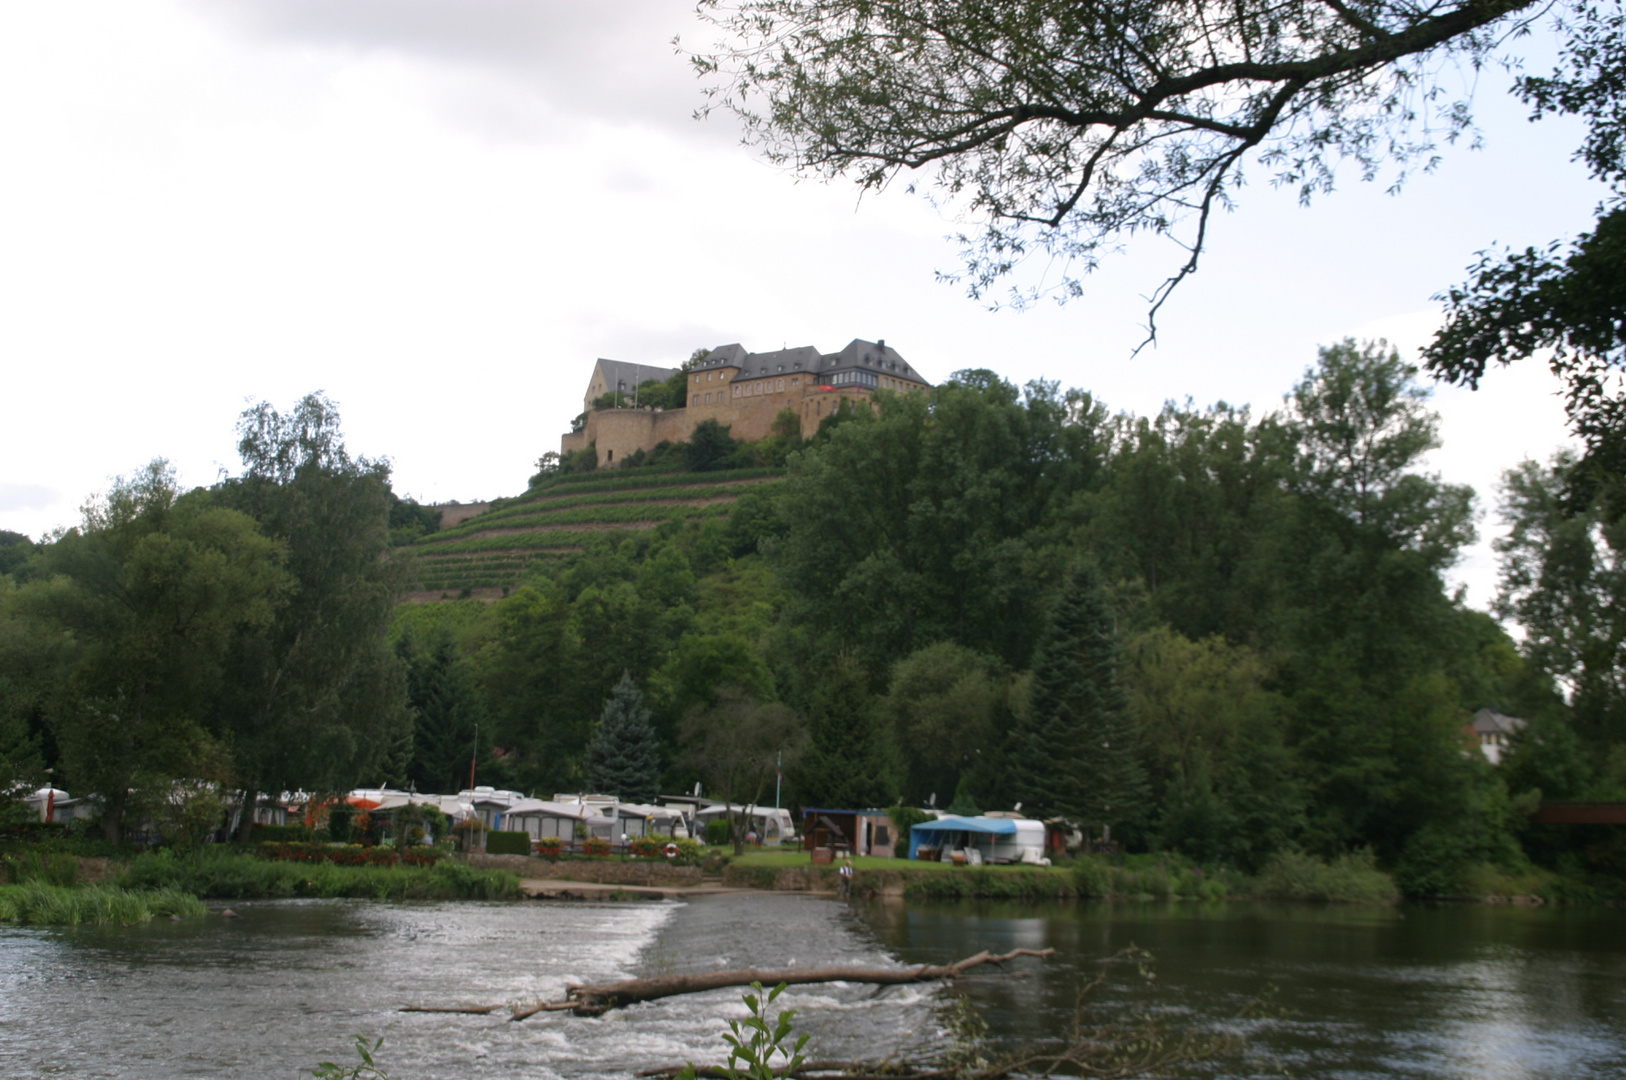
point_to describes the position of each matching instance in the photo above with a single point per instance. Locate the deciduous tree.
(1060, 127)
(737, 744)
(150, 594)
(316, 700)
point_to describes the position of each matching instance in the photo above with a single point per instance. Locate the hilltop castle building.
(741, 390)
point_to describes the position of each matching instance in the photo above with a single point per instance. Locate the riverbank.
(230, 874)
(45, 888)
(1353, 878)
(1350, 879)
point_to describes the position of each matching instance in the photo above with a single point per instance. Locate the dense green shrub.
(1160, 876)
(338, 823)
(351, 854)
(718, 832)
(228, 875)
(988, 883)
(1354, 877)
(263, 834)
(500, 842)
(31, 832)
(35, 865)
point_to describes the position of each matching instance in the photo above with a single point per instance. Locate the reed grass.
(40, 904)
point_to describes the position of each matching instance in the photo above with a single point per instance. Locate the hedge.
(280, 834)
(349, 854)
(508, 843)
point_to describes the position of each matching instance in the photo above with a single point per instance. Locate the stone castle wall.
(617, 434)
(457, 513)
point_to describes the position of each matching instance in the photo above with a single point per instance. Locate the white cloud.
(27, 497)
(520, 69)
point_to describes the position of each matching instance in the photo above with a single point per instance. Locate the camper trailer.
(977, 840)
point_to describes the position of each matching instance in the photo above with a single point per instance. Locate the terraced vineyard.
(490, 552)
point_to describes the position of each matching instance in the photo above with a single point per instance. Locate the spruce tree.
(850, 762)
(1076, 756)
(621, 759)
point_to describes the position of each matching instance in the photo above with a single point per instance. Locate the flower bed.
(596, 846)
(550, 848)
(348, 854)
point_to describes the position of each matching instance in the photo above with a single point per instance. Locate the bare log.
(477, 1010)
(596, 999)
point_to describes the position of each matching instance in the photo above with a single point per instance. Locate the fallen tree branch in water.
(1142, 1042)
(597, 999)
(477, 1010)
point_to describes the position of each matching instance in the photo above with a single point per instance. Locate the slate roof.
(875, 356)
(628, 375)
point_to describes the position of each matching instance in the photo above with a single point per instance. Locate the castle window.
(708, 399)
(781, 384)
(696, 400)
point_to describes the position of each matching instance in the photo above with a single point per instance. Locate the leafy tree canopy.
(146, 600)
(1061, 127)
(316, 698)
(1572, 307)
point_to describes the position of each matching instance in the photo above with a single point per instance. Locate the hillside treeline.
(1206, 631)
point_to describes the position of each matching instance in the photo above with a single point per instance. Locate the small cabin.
(855, 832)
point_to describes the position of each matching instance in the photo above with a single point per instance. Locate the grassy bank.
(230, 875)
(1348, 879)
(39, 903)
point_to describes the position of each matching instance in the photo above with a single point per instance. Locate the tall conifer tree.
(850, 759)
(621, 759)
(1076, 755)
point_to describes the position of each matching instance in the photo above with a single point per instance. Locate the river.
(1456, 991)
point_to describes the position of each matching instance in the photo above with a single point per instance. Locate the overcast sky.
(441, 211)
